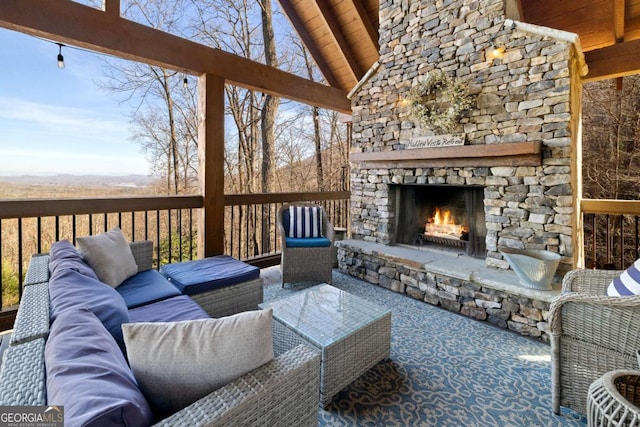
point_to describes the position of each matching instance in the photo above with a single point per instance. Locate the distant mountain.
(80, 180)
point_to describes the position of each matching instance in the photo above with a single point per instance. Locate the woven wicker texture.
(351, 334)
(23, 375)
(613, 399)
(284, 392)
(38, 270)
(220, 302)
(591, 334)
(300, 264)
(32, 320)
(143, 254)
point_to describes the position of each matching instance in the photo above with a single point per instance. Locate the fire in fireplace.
(442, 215)
(442, 225)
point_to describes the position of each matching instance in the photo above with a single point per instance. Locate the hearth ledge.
(456, 266)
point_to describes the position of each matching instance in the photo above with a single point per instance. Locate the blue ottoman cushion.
(146, 287)
(194, 277)
(174, 309)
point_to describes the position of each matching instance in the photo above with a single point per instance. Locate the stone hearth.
(456, 282)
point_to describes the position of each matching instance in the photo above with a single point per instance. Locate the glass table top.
(324, 314)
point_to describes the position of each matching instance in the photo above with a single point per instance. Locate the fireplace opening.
(443, 216)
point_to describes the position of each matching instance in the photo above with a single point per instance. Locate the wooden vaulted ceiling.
(342, 35)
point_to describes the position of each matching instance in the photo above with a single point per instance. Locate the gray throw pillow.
(109, 255)
(177, 363)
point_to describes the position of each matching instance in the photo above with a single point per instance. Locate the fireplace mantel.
(486, 155)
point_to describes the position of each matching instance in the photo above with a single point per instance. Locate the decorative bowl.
(534, 267)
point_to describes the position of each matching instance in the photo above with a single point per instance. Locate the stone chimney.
(525, 117)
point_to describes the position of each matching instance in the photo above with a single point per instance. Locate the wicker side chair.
(305, 263)
(591, 334)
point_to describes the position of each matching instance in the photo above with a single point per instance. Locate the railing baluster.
(158, 238)
(180, 232)
(133, 226)
(621, 267)
(20, 276)
(170, 257)
(608, 237)
(593, 237)
(190, 233)
(39, 234)
(635, 255)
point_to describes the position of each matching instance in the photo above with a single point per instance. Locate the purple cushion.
(88, 375)
(169, 310)
(70, 289)
(146, 287)
(64, 255)
(194, 277)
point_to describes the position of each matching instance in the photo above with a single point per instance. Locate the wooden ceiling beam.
(363, 20)
(619, 60)
(356, 72)
(308, 42)
(106, 32)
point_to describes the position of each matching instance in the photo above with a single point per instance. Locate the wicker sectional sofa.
(284, 391)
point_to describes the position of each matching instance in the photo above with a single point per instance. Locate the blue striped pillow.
(305, 221)
(628, 283)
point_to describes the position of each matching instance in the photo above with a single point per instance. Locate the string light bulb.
(185, 82)
(60, 57)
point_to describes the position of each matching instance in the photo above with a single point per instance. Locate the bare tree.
(163, 115)
(610, 137)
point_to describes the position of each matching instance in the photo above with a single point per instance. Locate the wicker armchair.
(305, 263)
(591, 334)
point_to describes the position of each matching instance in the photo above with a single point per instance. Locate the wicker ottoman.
(221, 285)
(351, 333)
(613, 399)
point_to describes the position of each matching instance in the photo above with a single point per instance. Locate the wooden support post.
(211, 162)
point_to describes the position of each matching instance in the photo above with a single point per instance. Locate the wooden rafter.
(106, 32)
(336, 35)
(297, 24)
(364, 21)
(619, 60)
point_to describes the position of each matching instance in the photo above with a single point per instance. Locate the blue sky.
(59, 121)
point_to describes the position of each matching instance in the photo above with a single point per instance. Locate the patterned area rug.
(444, 370)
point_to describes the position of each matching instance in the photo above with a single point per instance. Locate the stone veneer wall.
(526, 96)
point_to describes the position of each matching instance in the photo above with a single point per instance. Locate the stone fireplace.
(445, 216)
(520, 154)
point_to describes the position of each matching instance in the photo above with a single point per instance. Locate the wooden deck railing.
(32, 226)
(611, 233)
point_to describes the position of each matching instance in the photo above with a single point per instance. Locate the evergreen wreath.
(437, 102)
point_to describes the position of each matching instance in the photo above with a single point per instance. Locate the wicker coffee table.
(613, 400)
(351, 333)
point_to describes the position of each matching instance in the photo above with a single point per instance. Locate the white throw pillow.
(110, 256)
(628, 283)
(177, 363)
